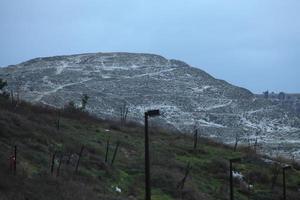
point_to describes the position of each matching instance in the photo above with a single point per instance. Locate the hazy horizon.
(251, 44)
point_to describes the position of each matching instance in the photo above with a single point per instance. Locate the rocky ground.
(188, 97)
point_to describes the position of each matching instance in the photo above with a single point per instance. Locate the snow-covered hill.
(188, 97)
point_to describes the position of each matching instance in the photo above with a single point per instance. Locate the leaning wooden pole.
(79, 157)
(182, 182)
(195, 139)
(58, 120)
(52, 163)
(107, 150)
(15, 160)
(115, 153)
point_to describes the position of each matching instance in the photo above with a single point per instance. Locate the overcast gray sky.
(250, 43)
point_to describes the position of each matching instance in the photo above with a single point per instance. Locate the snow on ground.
(134, 66)
(254, 111)
(41, 95)
(268, 126)
(152, 73)
(105, 76)
(201, 89)
(237, 175)
(47, 82)
(118, 189)
(209, 124)
(117, 67)
(248, 123)
(61, 68)
(216, 106)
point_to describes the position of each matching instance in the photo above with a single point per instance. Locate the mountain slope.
(188, 97)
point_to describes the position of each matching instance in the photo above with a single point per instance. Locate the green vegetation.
(33, 130)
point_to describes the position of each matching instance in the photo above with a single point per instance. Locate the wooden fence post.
(58, 120)
(52, 162)
(107, 150)
(15, 160)
(80, 154)
(115, 153)
(195, 139)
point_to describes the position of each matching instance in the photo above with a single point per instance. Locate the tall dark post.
(149, 113)
(283, 180)
(284, 185)
(115, 153)
(195, 139)
(15, 160)
(58, 121)
(147, 161)
(107, 150)
(52, 162)
(231, 181)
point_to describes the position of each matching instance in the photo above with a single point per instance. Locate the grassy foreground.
(33, 130)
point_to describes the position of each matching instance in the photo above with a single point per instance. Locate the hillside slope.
(188, 97)
(33, 130)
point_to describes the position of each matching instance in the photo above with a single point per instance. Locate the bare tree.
(16, 91)
(249, 139)
(281, 96)
(84, 101)
(19, 88)
(124, 109)
(257, 135)
(266, 94)
(240, 132)
(56, 100)
(12, 97)
(237, 139)
(3, 92)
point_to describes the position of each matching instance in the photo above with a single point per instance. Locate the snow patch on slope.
(114, 67)
(43, 94)
(216, 106)
(201, 89)
(209, 124)
(61, 68)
